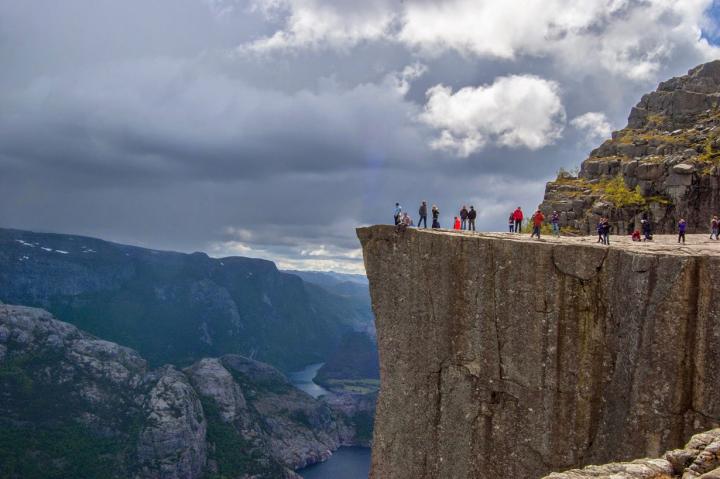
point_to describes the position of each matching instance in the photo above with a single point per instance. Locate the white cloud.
(401, 80)
(515, 111)
(625, 37)
(595, 125)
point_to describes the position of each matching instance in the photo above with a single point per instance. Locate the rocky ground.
(700, 458)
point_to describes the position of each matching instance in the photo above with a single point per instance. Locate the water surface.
(345, 463)
(303, 380)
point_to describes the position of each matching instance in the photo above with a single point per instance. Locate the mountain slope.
(174, 307)
(663, 166)
(72, 405)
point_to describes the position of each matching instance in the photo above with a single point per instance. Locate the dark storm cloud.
(144, 122)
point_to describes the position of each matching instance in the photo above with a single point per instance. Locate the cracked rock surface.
(505, 357)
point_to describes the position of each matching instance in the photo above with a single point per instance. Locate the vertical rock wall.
(503, 357)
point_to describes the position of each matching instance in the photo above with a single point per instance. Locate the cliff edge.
(504, 357)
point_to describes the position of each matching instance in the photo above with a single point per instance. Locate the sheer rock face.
(669, 153)
(502, 357)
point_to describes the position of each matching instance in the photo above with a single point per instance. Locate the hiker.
(555, 222)
(682, 225)
(404, 221)
(646, 229)
(537, 220)
(511, 223)
(463, 217)
(472, 214)
(636, 235)
(714, 227)
(606, 231)
(435, 216)
(518, 217)
(396, 213)
(599, 229)
(423, 214)
(457, 223)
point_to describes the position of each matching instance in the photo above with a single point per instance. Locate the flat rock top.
(696, 244)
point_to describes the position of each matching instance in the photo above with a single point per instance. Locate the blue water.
(345, 463)
(303, 380)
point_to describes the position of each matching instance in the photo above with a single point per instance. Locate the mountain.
(353, 288)
(663, 166)
(73, 405)
(175, 307)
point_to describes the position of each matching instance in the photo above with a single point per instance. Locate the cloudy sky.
(272, 128)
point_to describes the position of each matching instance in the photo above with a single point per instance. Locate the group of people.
(465, 220)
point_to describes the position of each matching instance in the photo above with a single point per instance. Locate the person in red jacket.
(457, 223)
(518, 217)
(537, 221)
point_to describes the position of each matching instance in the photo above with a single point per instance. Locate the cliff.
(505, 357)
(665, 164)
(73, 405)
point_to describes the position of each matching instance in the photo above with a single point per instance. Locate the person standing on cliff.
(472, 214)
(511, 223)
(435, 216)
(682, 225)
(714, 227)
(555, 222)
(423, 214)
(647, 230)
(463, 217)
(605, 231)
(457, 223)
(518, 217)
(396, 213)
(537, 221)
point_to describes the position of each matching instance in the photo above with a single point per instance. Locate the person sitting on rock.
(404, 222)
(471, 215)
(555, 222)
(463, 217)
(681, 230)
(537, 221)
(435, 217)
(714, 227)
(456, 224)
(636, 235)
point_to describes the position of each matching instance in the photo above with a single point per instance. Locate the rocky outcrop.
(504, 357)
(700, 458)
(664, 165)
(114, 417)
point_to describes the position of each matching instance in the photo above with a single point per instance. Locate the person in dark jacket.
(682, 225)
(511, 223)
(606, 231)
(555, 222)
(714, 227)
(472, 214)
(463, 217)
(423, 214)
(647, 230)
(435, 216)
